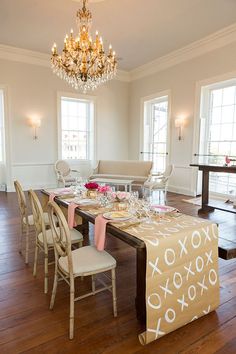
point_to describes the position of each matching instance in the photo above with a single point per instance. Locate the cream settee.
(137, 171)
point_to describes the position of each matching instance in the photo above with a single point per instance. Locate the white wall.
(182, 81)
(32, 89)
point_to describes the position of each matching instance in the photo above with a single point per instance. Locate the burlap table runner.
(182, 282)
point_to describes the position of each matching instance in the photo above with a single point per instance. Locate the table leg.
(205, 192)
(140, 301)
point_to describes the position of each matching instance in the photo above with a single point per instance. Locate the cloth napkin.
(100, 232)
(71, 215)
(51, 197)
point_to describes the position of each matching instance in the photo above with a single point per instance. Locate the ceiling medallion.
(83, 62)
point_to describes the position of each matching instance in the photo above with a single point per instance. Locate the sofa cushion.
(123, 177)
(126, 168)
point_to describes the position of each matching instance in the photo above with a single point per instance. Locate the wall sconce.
(35, 123)
(179, 124)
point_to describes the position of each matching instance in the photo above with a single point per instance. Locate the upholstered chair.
(44, 238)
(27, 221)
(65, 175)
(159, 181)
(82, 262)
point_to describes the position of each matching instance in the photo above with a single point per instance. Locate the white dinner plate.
(118, 215)
(85, 201)
(164, 209)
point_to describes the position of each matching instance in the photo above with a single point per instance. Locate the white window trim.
(81, 97)
(157, 96)
(7, 137)
(197, 117)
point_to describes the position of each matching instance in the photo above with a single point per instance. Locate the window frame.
(202, 119)
(155, 98)
(92, 136)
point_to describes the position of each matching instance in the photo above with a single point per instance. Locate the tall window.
(218, 132)
(77, 129)
(155, 133)
(2, 152)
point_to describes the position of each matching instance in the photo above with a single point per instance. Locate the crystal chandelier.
(83, 62)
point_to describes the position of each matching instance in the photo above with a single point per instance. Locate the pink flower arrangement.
(91, 185)
(104, 189)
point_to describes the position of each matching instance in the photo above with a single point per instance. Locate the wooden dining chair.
(70, 264)
(27, 220)
(44, 238)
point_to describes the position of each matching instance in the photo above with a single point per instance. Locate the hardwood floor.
(28, 326)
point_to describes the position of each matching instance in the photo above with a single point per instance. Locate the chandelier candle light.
(83, 62)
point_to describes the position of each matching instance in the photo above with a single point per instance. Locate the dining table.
(177, 278)
(124, 236)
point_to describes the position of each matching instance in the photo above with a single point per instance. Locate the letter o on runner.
(199, 264)
(192, 292)
(179, 283)
(169, 256)
(170, 316)
(155, 303)
(196, 239)
(213, 279)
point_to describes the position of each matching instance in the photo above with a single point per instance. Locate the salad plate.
(118, 215)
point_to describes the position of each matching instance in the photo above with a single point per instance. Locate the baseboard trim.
(181, 190)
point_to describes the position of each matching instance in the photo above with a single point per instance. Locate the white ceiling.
(140, 30)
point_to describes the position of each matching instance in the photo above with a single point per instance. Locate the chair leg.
(35, 260)
(45, 273)
(113, 277)
(21, 238)
(54, 290)
(27, 245)
(93, 284)
(72, 306)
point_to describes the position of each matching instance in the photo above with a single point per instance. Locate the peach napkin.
(100, 232)
(71, 215)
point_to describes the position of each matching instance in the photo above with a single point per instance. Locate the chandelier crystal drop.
(83, 62)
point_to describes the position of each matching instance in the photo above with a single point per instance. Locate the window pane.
(216, 115)
(221, 136)
(76, 125)
(229, 95)
(227, 114)
(155, 132)
(217, 97)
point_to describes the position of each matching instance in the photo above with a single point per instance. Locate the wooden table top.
(214, 168)
(111, 229)
(227, 247)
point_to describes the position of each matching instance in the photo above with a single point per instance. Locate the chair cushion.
(76, 236)
(31, 219)
(88, 260)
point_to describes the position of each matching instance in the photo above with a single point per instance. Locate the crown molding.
(37, 58)
(214, 41)
(209, 43)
